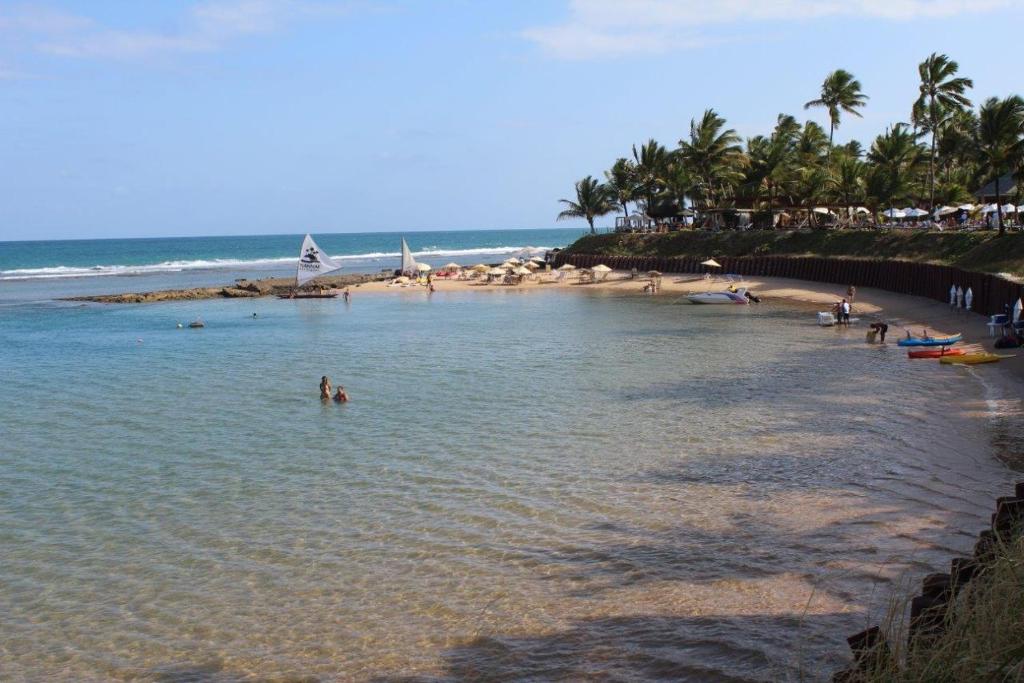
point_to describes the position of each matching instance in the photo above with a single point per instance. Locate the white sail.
(408, 262)
(313, 262)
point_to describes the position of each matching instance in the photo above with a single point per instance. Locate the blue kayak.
(930, 341)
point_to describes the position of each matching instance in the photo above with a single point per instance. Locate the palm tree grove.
(795, 175)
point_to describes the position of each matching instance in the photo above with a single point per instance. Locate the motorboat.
(726, 297)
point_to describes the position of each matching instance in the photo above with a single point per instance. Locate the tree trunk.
(931, 174)
(590, 219)
(771, 205)
(831, 132)
(999, 208)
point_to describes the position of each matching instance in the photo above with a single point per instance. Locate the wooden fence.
(991, 292)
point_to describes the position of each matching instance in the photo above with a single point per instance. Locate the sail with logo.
(312, 264)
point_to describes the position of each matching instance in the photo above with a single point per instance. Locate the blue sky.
(165, 117)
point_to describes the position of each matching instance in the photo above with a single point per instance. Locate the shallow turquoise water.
(525, 485)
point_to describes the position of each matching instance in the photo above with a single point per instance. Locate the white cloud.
(205, 27)
(603, 28)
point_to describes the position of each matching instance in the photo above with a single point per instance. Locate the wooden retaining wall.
(991, 292)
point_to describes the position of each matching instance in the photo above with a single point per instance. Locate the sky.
(121, 118)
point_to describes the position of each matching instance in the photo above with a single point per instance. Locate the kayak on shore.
(974, 358)
(935, 353)
(930, 341)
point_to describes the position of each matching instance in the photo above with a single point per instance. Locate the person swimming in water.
(325, 389)
(341, 396)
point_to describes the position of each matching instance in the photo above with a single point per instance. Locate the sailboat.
(409, 264)
(312, 264)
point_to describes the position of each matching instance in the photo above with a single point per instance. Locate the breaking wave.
(56, 272)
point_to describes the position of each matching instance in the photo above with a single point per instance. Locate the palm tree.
(593, 199)
(622, 182)
(713, 155)
(894, 156)
(651, 163)
(940, 95)
(846, 180)
(839, 92)
(999, 141)
(772, 158)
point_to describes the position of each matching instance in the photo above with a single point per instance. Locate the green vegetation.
(943, 152)
(979, 251)
(983, 638)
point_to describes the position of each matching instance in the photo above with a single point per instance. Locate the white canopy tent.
(894, 213)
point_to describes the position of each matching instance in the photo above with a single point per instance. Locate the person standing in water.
(341, 396)
(325, 389)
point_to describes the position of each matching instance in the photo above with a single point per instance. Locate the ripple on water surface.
(524, 486)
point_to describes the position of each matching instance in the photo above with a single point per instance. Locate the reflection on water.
(535, 486)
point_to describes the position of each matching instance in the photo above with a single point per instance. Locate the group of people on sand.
(325, 391)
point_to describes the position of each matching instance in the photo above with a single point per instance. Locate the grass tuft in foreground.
(979, 635)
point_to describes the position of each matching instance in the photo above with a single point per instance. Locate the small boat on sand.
(930, 341)
(973, 358)
(726, 297)
(936, 353)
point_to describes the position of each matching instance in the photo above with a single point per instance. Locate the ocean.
(526, 484)
(39, 270)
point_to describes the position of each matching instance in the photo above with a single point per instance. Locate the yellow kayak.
(972, 358)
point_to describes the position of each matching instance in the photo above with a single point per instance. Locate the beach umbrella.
(968, 298)
(523, 270)
(423, 267)
(988, 208)
(1020, 209)
(452, 266)
(862, 210)
(915, 213)
(496, 271)
(711, 263)
(537, 259)
(567, 266)
(894, 213)
(966, 207)
(480, 268)
(653, 273)
(1009, 208)
(602, 268)
(946, 210)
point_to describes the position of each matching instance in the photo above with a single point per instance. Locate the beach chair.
(997, 322)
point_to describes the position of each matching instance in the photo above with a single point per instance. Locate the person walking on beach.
(851, 292)
(325, 389)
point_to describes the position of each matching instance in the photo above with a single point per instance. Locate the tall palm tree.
(593, 199)
(622, 183)
(847, 180)
(713, 155)
(941, 94)
(1000, 141)
(839, 92)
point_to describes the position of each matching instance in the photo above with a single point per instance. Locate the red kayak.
(935, 353)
